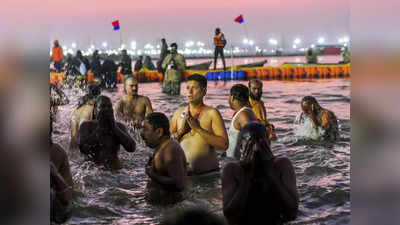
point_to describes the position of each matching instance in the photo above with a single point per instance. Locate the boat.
(249, 65)
(200, 66)
(311, 64)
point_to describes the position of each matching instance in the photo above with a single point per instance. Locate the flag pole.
(232, 62)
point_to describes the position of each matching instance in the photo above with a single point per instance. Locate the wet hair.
(126, 79)
(199, 78)
(240, 92)
(78, 53)
(253, 132)
(159, 120)
(99, 100)
(255, 81)
(192, 216)
(309, 100)
(174, 45)
(93, 91)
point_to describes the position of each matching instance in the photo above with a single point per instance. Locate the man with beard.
(174, 65)
(100, 139)
(255, 87)
(199, 128)
(126, 63)
(83, 112)
(239, 102)
(132, 107)
(167, 167)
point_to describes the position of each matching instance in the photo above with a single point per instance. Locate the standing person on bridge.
(219, 42)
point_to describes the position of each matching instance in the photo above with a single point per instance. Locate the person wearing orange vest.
(219, 42)
(57, 56)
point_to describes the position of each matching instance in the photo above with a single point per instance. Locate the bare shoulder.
(179, 111)
(212, 111)
(144, 98)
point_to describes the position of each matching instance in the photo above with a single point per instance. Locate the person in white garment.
(239, 102)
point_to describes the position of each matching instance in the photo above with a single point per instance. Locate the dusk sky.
(180, 21)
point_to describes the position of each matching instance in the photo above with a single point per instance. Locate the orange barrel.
(336, 71)
(277, 73)
(259, 74)
(264, 73)
(148, 76)
(290, 73)
(302, 72)
(314, 72)
(325, 72)
(268, 72)
(90, 77)
(134, 75)
(320, 71)
(251, 74)
(283, 73)
(296, 73)
(157, 76)
(347, 70)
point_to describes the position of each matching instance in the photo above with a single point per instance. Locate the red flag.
(239, 19)
(115, 24)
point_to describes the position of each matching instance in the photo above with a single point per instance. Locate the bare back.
(81, 114)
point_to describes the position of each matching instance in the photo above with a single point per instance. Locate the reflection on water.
(322, 169)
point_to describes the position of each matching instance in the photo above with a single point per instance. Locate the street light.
(312, 46)
(73, 45)
(273, 41)
(104, 44)
(321, 40)
(297, 41)
(251, 42)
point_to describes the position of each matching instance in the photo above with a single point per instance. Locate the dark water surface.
(322, 169)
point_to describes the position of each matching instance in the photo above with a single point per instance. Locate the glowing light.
(321, 40)
(312, 46)
(104, 44)
(294, 46)
(73, 45)
(251, 42)
(297, 41)
(273, 41)
(245, 41)
(346, 39)
(92, 46)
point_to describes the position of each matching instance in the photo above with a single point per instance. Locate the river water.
(322, 169)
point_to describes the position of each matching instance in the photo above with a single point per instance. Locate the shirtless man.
(100, 138)
(167, 167)
(255, 87)
(199, 128)
(261, 188)
(239, 102)
(132, 107)
(320, 118)
(83, 112)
